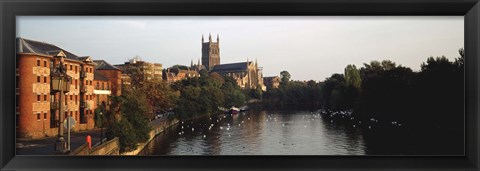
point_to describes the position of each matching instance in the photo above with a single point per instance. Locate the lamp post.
(60, 83)
(101, 128)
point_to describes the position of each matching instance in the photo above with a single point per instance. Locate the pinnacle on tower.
(202, 38)
(191, 63)
(218, 38)
(210, 37)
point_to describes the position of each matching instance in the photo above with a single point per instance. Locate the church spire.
(218, 38)
(210, 37)
(191, 63)
(202, 38)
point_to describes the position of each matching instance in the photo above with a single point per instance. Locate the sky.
(308, 47)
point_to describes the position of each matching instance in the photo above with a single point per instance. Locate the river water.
(291, 132)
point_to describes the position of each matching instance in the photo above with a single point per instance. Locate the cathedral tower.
(210, 52)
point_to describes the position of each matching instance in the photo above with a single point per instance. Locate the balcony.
(83, 88)
(82, 74)
(54, 106)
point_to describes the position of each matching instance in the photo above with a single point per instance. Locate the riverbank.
(158, 126)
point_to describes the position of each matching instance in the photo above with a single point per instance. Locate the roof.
(42, 48)
(272, 77)
(99, 76)
(103, 65)
(233, 67)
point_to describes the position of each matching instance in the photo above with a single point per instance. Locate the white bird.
(221, 127)
(228, 128)
(354, 126)
(204, 136)
(193, 129)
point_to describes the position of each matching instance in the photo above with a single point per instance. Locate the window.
(75, 69)
(44, 97)
(38, 79)
(38, 62)
(71, 113)
(91, 70)
(71, 67)
(91, 82)
(45, 116)
(38, 116)
(71, 97)
(45, 79)
(44, 63)
(76, 99)
(38, 97)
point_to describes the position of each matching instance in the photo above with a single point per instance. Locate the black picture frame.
(470, 9)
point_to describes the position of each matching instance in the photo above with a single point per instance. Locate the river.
(287, 132)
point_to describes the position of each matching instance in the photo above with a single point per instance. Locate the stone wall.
(111, 147)
(156, 129)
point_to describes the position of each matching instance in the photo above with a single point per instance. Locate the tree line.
(430, 98)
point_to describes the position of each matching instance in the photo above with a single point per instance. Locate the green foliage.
(284, 77)
(205, 94)
(132, 128)
(126, 133)
(352, 76)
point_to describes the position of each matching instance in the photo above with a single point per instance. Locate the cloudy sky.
(308, 47)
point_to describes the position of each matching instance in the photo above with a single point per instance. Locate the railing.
(83, 88)
(111, 147)
(82, 74)
(84, 104)
(54, 105)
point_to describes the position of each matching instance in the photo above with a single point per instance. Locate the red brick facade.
(37, 106)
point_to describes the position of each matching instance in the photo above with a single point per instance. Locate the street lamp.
(101, 128)
(60, 82)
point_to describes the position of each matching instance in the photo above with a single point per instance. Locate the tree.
(284, 77)
(352, 76)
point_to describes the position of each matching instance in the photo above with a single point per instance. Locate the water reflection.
(260, 133)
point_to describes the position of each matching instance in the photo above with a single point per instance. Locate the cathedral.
(247, 74)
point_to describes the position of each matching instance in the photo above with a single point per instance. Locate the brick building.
(37, 113)
(145, 70)
(176, 74)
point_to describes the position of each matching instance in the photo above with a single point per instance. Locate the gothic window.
(38, 62)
